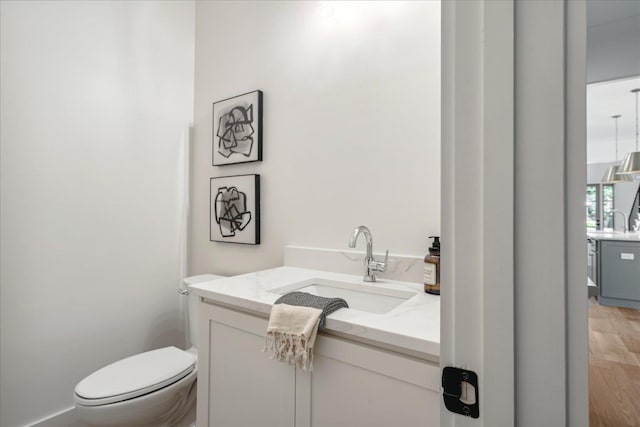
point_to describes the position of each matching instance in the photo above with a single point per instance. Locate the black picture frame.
(234, 209)
(237, 129)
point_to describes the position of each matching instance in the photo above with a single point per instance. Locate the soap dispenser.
(432, 268)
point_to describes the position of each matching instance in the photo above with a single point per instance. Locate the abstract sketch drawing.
(231, 211)
(235, 209)
(234, 132)
(237, 129)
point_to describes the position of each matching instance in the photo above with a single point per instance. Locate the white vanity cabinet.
(237, 383)
(359, 385)
(352, 384)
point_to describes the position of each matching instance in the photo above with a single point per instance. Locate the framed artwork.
(237, 129)
(235, 209)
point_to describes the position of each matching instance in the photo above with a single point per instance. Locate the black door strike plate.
(460, 391)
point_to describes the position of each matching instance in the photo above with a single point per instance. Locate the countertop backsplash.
(408, 268)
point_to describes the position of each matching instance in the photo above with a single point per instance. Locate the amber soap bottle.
(432, 268)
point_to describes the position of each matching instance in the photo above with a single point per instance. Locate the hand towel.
(291, 334)
(327, 305)
(293, 326)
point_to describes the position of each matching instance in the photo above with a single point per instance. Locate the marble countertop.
(413, 327)
(614, 235)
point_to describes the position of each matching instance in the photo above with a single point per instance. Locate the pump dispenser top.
(435, 246)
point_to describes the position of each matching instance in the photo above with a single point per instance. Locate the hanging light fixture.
(612, 175)
(631, 163)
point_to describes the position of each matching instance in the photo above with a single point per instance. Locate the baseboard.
(618, 302)
(65, 418)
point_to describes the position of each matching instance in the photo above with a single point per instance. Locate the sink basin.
(359, 296)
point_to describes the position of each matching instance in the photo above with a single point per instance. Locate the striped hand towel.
(293, 326)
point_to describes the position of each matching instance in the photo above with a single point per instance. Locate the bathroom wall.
(95, 98)
(351, 124)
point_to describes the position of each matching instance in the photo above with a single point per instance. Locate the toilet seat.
(135, 376)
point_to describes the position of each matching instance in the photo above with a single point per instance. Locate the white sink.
(361, 297)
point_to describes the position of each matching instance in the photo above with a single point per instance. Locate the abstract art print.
(237, 129)
(235, 209)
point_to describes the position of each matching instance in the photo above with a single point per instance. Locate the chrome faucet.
(624, 216)
(370, 263)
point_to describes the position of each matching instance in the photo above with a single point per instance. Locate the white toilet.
(155, 388)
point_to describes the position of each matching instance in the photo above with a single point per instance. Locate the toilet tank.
(193, 305)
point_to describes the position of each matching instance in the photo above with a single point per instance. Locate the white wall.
(604, 100)
(351, 123)
(95, 98)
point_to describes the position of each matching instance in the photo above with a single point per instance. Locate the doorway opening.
(612, 218)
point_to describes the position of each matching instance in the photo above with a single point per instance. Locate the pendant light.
(612, 175)
(631, 163)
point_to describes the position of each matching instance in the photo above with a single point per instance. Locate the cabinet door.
(238, 385)
(620, 270)
(355, 385)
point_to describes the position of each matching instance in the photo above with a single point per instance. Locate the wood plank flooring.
(614, 366)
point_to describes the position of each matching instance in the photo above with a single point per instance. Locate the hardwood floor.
(614, 366)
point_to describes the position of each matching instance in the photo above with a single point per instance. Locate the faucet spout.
(367, 237)
(370, 264)
(624, 218)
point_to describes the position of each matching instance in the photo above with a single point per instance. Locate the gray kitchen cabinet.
(619, 273)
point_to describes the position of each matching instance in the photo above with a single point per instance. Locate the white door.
(513, 162)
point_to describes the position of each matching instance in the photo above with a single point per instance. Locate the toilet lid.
(136, 375)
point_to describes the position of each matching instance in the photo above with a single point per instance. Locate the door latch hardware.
(460, 391)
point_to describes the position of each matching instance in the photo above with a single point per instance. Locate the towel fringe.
(290, 348)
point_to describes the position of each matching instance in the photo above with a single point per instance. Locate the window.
(593, 201)
(607, 205)
(600, 201)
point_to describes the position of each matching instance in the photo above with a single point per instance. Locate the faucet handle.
(379, 266)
